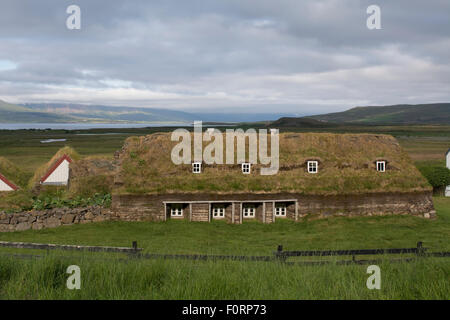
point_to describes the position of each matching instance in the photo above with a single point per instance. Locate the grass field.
(176, 279)
(157, 279)
(218, 237)
(426, 278)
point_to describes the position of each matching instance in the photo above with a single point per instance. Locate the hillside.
(11, 113)
(437, 113)
(70, 113)
(306, 122)
(99, 113)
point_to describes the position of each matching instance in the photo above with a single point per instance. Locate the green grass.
(256, 238)
(45, 278)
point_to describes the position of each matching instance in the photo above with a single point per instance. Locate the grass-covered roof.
(13, 173)
(346, 165)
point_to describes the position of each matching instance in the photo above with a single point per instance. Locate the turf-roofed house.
(320, 174)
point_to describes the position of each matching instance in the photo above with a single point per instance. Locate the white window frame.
(176, 211)
(383, 163)
(246, 166)
(218, 212)
(280, 210)
(196, 167)
(312, 165)
(248, 211)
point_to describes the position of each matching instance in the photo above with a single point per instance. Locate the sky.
(293, 56)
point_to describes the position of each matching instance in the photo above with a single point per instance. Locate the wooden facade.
(203, 211)
(200, 207)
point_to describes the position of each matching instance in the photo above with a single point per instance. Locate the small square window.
(197, 167)
(381, 166)
(246, 167)
(176, 211)
(313, 166)
(218, 212)
(249, 211)
(280, 211)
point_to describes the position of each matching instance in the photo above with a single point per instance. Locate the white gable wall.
(448, 160)
(60, 176)
(447, 190)
(4, 186)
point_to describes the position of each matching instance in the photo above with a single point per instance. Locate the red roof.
(55, 166)
(9, 183)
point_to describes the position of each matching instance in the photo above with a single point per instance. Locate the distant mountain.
(70, 113)
(99, 113)
(11, 113)
(436, 113)
(306, 122)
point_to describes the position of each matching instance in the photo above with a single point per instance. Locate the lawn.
(426, 278)
(256, 238)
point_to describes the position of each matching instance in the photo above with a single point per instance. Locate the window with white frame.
(218, 212)
(248, 211)
(197, 167)
(176, 210)
(246, 167)
(313, 166)
(280, 210)
(381, 166)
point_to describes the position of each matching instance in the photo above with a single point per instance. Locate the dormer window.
(381, 166)
(197, 167)
(246, 167)
(313, 166)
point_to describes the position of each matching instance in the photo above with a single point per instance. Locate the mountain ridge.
(400, 114)
(76, 113)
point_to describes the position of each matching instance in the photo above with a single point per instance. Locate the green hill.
(11, 113)
(8, 107)
(436, 113)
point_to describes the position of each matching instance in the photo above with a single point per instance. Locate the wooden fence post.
(135, 249)
(279, 254)
(420, 250)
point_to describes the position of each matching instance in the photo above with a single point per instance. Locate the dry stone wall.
(51, 218)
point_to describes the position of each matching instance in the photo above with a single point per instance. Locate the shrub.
(437, 176)
(48, 202)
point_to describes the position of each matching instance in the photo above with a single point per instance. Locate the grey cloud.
(200, 54)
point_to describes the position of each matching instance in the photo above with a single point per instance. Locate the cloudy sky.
(303, 57)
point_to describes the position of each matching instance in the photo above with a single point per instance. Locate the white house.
(447, 156)
(6, 185)
(58, 174)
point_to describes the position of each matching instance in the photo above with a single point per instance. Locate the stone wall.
(52, 218)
